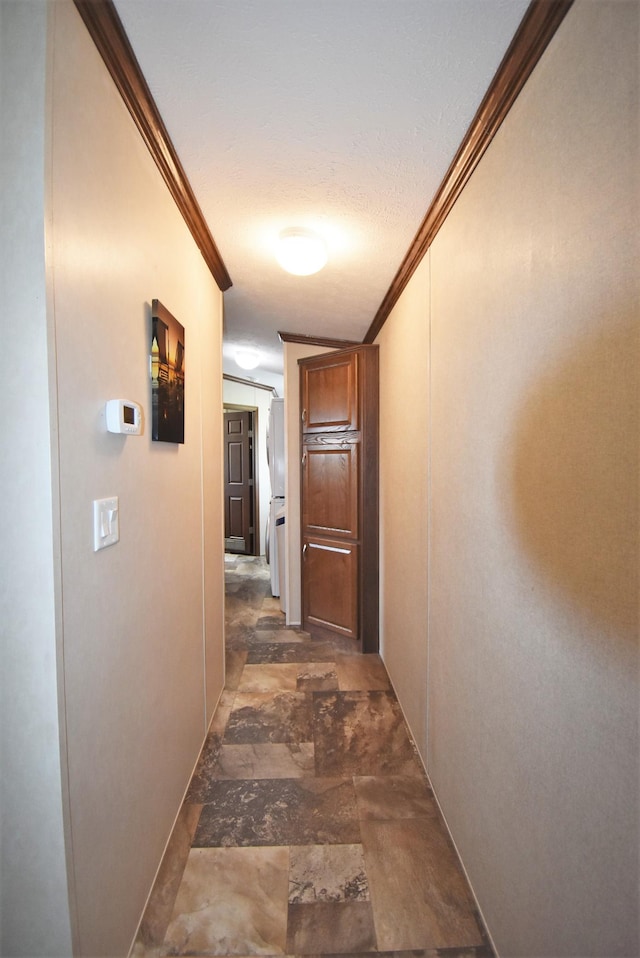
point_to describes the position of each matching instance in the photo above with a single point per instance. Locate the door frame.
(237, 407)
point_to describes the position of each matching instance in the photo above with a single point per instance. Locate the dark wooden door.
(239, 499)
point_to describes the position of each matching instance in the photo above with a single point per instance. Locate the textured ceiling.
(340, 115)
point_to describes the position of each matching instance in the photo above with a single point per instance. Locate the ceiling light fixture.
(301, 252)
(247, 358)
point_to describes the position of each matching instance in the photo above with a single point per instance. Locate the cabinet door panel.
(330, 489)
(330, 394)
(330, 585)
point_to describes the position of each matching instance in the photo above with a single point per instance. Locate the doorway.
(241, 513)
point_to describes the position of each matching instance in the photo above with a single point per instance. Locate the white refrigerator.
(277, 514)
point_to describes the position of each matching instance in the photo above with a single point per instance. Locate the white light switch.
(106, 525)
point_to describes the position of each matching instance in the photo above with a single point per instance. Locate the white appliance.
(280, 554)
(275, 458)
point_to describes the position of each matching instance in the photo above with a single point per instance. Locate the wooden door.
(239, 486)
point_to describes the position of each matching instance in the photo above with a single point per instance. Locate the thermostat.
(124, 416)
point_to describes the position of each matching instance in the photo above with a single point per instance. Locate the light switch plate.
(106, 523)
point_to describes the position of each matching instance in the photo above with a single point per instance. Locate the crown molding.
(249, 382)
(316, 340)
(538, 26)
(105, 28)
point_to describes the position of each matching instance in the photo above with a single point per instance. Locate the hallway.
(308, 827)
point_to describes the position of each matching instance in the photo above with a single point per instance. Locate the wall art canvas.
(167, 375)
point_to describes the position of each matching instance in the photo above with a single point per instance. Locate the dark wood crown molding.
(249, 382)
(316, 340)
(106, 31)
(540, 22)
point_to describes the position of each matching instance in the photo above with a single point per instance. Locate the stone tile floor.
(309, 827)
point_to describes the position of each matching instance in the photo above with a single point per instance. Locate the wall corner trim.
(538, 26)
(107, 32)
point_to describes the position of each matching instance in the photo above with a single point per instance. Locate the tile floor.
(309, 827)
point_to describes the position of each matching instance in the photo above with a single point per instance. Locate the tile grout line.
(324, 726)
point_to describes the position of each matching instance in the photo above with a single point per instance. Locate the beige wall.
(138, 660)
(532, 681)
(34, 906)
(404, 499)
(140, 625)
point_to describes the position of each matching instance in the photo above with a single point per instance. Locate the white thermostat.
(124, 416)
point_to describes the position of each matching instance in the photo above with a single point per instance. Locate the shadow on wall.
(575, 477)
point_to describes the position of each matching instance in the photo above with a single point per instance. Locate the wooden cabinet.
(329, 393)
(339, 494)
(330, 568)
(330, 480)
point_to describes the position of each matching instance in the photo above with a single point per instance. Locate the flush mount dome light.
(247, 358)
(301, 252)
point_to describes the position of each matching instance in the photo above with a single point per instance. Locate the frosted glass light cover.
(247, 358)
(301, 252)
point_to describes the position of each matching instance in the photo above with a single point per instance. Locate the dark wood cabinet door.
(330, 482)
(330, 580)
(329, 394)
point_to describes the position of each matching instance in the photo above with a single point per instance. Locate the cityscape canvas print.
(167, 375)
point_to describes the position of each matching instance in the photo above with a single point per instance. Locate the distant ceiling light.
(301, 252)
(247, 358)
